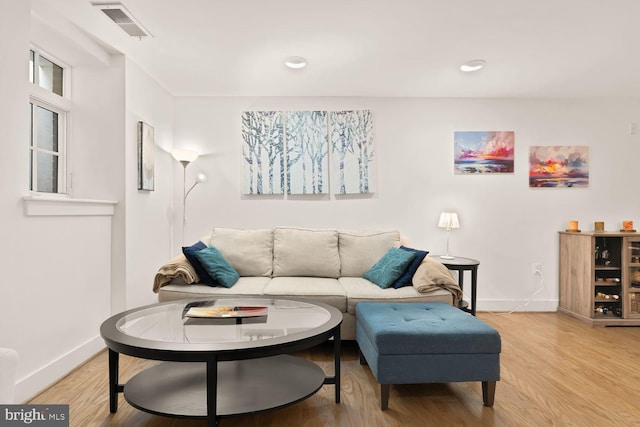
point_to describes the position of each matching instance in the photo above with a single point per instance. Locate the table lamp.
(448, 220)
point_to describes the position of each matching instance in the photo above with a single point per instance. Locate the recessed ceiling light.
(295, 62)
(473, 65)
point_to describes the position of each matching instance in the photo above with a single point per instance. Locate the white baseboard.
(37, 381)
(517, 305)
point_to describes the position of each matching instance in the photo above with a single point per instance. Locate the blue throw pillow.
(217, 267)
(407, 275)
(190, 253)
(389, 267)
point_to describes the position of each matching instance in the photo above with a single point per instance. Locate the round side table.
(461, 265)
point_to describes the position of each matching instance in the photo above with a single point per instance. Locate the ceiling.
(386, 48)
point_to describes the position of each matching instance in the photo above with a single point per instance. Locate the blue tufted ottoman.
(408, 343)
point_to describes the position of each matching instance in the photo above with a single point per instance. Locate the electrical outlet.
(536, 268)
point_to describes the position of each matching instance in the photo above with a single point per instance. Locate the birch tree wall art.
(352, 152)
(262, 152)
(307, 152)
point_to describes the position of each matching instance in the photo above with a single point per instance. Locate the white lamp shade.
(182, 155)
(449, 220)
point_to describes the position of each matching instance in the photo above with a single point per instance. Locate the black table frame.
(117, 342)
(461, 265)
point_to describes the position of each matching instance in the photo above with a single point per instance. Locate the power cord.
(538, 272)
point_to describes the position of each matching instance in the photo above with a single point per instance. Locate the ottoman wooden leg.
(488, 392)
(384, 396)
(363, 361)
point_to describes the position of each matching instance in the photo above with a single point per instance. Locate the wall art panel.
(307, 150)
(352, 148)
(262, 152)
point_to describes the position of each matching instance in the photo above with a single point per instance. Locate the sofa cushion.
(406, 277)
(217, 267)
(305, 252)
(320, 289)
(244, 286)
(389, 267)
(250, 252)
(361, 290)
(190, 253)
(206, 239)
(360, 250)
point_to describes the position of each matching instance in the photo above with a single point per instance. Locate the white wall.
(504, 224)
(98, 118)
(51, 262)
(149, 213)
(64, 275)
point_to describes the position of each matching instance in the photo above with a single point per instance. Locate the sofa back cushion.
(305, 252)
(361, 249)
(250, 252)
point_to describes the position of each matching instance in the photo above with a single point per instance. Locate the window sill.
(62, 206)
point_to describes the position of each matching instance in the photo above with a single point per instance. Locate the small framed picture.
(483, 152)
(558, 166)
(145, 157)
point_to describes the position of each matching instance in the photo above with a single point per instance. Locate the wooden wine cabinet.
(600, 277)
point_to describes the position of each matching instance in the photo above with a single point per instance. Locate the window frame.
(61, 105)
(34, 148)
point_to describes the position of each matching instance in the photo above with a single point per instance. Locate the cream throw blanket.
(433, 275)
(175, 268)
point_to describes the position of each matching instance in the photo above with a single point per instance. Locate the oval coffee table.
(224, 365)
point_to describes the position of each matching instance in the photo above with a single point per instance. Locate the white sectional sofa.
(324, 265)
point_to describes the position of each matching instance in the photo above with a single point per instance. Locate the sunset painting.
(481, 152)
(559, 166)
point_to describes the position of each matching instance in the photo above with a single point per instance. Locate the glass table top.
(169, 323)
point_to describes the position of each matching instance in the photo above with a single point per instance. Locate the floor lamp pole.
(184, 198)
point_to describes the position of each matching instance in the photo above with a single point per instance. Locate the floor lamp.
(185, 157)
(448, 220)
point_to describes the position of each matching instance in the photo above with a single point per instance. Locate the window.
(50, 111)
(46, 143)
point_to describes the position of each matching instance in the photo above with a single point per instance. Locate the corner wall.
(66, 274)
(56, 281)
(149, 214)
(504, 224)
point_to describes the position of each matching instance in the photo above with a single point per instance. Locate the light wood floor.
(555, 371)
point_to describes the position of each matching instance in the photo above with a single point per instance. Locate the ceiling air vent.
(123, 19)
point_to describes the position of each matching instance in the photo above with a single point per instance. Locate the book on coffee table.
(219, 312)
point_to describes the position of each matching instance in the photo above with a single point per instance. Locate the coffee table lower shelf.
(179, 389)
